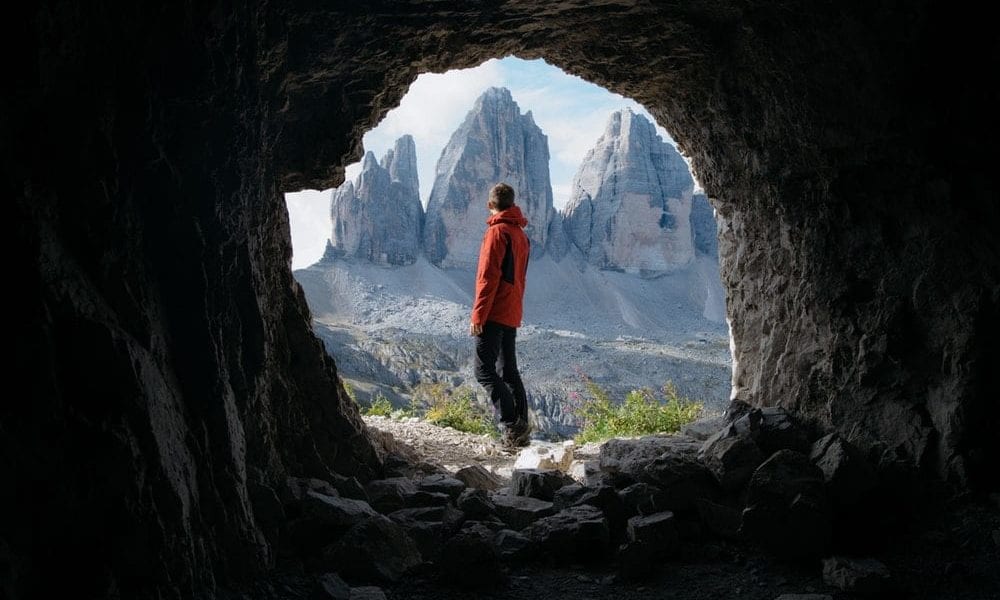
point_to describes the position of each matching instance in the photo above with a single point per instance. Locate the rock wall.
(379, 216)
(631, 202)
(495, 143)
(165, 352)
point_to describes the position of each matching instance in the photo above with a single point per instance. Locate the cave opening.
(625, 296)
(178, 403)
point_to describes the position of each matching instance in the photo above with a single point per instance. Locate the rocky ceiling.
(164, 364)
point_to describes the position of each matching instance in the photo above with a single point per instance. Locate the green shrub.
(455, 408)
(379, 407)
(641, 413)
(350, 390)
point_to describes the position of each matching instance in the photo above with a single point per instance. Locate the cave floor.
(953, 552)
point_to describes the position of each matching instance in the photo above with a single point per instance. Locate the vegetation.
(455, 408)
(350, 390)
(642, 412)
(379, 407)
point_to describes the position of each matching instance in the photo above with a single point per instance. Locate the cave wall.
(165, 348)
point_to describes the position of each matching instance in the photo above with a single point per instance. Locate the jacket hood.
(510, 215)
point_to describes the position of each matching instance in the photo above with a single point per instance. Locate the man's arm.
(487, 278)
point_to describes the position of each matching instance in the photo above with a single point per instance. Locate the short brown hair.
(501, 196)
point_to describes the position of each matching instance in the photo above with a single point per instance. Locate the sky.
(570, 111)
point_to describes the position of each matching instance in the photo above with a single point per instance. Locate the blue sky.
(572, 112)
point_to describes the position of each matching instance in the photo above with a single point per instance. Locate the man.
(496, 312)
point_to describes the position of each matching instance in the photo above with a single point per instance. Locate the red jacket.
(503, 268)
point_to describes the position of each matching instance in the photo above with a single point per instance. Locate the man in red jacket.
(496, 312)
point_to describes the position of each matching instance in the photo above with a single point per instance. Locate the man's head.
(501, 197)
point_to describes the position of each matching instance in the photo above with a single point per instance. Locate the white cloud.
(309, 218)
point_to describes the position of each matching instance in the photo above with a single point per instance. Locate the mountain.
(495, 143)
(631, 201)
(379, 216)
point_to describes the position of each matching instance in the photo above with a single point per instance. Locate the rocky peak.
(631, 200)
(379, 216)
(495, 143)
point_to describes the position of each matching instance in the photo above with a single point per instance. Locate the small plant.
(379, 407)
(455, 408)
(641, 413)
(350, 390)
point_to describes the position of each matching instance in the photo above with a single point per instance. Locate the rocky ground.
(759, 509)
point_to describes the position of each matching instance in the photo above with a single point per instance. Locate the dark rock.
(681, 478)
(704, 428)
(422, 498)
(577, 534)
(657, 532)
(603, 497)
(475, 476)
(631, 456)
(847, 474)
(805, 597)
(514, 546)
(787, 510)
(724, 521)
(442, 484)
(428, 527)
(267, 508)
(865, 577)
(636, 561)
(330, 586)
(388, 495)
(643, 499)
(323, 518)
(471, 560)
(476, 503)
(296, 488)
(538, 483)
(376, 549)
(773, 429)
(731, 458)
(367, 592)
(520, 511)
(350, 487)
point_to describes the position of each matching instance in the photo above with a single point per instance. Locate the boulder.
(470, 559)
(514, 546)
(476, 503)
(538, 483)
(657, 532)
(376, 549)
(323, 518)
(732, 459)
(330, 586)
(847, 474)
(388, 495)
(442, 484)
(475, 476)
(577, 534)
(520, 511)
(681, 477)
(862, 576)
(642, 498)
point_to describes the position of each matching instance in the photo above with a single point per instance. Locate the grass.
(379, 407)
(453, 407)
(641, 413)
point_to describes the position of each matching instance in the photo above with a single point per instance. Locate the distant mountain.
(495, 143)
(379, 216)
(631, 202)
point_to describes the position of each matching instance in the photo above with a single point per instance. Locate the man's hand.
(474, 329)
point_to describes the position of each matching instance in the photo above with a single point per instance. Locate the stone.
(586, 472)
(862, 576)
(520, 511)
(643, 499)
(705, 427)
(514, 546)
(476, 503)
(367, 592)
(471, 560)
(848, 476)
(390, 494)
(787, 509)
(322, 518)
(379, 216)
(421, 498)
(732, 459)
(804, 597)
(722, 520)
(681, 478)
(376, 549)
(630, 457)
(635, 561)
(657, 532)
(545, 456)
(631, 202)
(577, 534)
(296, 488)
(475, 476)
(444, 484)
(349, 487)
(494, 143)
(428, 527)
(538, 483)
(330, 586)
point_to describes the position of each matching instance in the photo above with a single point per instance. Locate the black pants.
(496, 370)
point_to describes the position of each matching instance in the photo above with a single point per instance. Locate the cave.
(166, 377)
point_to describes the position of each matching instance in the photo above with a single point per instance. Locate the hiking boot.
(517, 434)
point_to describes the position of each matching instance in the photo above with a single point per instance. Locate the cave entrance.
(624, 296)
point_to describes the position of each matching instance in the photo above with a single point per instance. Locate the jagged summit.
(494, 143)
(631, 200)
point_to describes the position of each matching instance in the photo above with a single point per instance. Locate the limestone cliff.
(495, 143)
